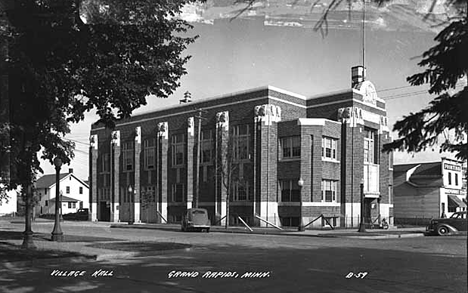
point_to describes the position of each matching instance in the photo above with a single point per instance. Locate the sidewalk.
(342, 233)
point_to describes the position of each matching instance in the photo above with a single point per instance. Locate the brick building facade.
(285, 158)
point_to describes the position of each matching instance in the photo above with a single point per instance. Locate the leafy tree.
(446, 64)
(66, 57)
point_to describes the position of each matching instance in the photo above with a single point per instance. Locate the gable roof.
(48, 180)
(403, 167)
(429, 169)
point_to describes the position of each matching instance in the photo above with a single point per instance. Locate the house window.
(127, 155)
(46, 203)
(105, 163)
(241, 147)
(72, 205)
(67, 190)
(329, 188)
(206, 146)
(370, 146)
(178, 149)
(178, 192)
(149, 154)
(329, 147)
(291, 147)
(81, 190)
(242, 190)
(290, 191)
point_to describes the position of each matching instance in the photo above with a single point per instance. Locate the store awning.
(454, 201)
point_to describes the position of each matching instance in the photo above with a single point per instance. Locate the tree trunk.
(28, 233)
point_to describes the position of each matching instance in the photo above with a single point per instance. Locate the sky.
(274, 43)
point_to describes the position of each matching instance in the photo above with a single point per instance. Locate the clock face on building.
(368, 92)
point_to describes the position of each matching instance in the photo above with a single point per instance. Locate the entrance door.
(367, 210)
(104, 210)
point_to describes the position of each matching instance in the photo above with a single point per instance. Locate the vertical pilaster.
(115, 172)
(268, 116)
(163, 141)
(93, 157)
(137, 191)
(190, 165)
(222, 138)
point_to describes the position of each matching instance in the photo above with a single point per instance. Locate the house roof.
(66, 199)
(47, 180)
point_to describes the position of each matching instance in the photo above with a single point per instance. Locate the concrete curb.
(325, 234)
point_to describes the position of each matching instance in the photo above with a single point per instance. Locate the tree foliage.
(446, 65)
(67, 57)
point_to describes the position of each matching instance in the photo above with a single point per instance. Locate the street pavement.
(143, 258)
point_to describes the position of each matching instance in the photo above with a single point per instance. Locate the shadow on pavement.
(16, 235)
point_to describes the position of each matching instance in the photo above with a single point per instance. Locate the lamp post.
(300, 183)
(362, 225)
(130, 214)
(57, 234)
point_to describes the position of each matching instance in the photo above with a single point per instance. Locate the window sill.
(290, 159)
(330, 160)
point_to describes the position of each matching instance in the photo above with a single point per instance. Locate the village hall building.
(280, 158)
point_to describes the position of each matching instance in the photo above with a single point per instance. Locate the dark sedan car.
(196, 219)
(445, 226)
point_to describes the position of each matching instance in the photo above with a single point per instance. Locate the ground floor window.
(72, 205)
(326, 221)
(329, 188)
(178, 192)
(289, 221)
(290, 191)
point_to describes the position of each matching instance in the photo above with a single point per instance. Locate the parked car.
(444, 226)
(196, 219)
(80, 215)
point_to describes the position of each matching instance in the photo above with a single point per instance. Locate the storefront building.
(279, 157)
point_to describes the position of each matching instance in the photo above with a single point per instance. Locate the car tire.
(443, 230)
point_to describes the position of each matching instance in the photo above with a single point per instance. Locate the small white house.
(74, 191)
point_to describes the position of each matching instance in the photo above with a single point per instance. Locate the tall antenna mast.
(363, 32)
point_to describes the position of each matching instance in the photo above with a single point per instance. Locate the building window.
(289, 221)
(81, 190)
(449, 178)
(329, 147)
(242, 190)
(67, 190)
(128, 156)
(290, 191)
(290, 147)
(72, 205)
(370, 146)
(329, 188)
(206, 144)
(178, 192)
(456, 179)
(149, 154)
(178, 149)
(150, 193)
(46, 203)
(241, 138)
(390, 194)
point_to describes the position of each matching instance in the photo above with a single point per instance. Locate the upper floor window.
(370, 146)
(329, 189)
(81, 190)
(178, 149)
(290, 191)
(149, 153)
(206, 145)
(67, 189)
(456, 179)
(290, 147)
(329, 148)
(128, 156)
(449, 178)
(241, 142)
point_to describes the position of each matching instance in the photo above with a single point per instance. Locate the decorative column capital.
(115, 137)
(163, 130)
(93, 141)
(222, 119)
(351, 116)
(267, 113)
(191, 126)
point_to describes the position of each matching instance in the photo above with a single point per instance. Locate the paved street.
(218, 262)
